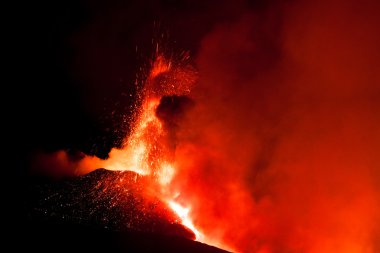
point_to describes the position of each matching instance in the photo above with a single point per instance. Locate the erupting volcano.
(149, 152)
(253, 127)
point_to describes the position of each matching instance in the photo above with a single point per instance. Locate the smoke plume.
(281, 152)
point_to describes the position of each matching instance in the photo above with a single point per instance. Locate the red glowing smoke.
(284, 150)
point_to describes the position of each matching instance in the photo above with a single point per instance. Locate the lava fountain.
(150, 148)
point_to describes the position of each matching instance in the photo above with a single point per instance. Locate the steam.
(283, 154)
(61, 163)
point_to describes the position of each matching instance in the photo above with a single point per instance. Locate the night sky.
(285, 127)
(79, 61)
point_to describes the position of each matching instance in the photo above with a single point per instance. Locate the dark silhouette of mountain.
(108, 211)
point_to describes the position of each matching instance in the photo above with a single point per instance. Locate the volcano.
(105, 210)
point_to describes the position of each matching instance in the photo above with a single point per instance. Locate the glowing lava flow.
(183, 213)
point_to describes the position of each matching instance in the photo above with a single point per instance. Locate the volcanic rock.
(103, 211)
(110, 200)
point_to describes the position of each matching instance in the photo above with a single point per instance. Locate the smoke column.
(281, 153)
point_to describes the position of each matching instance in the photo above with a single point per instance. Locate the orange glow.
(183, 213)
(137, 154)
(166, 173)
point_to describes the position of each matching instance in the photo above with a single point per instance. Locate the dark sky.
(78, 62)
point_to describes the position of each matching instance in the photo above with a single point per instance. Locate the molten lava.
(183, 213)
(149, 150)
